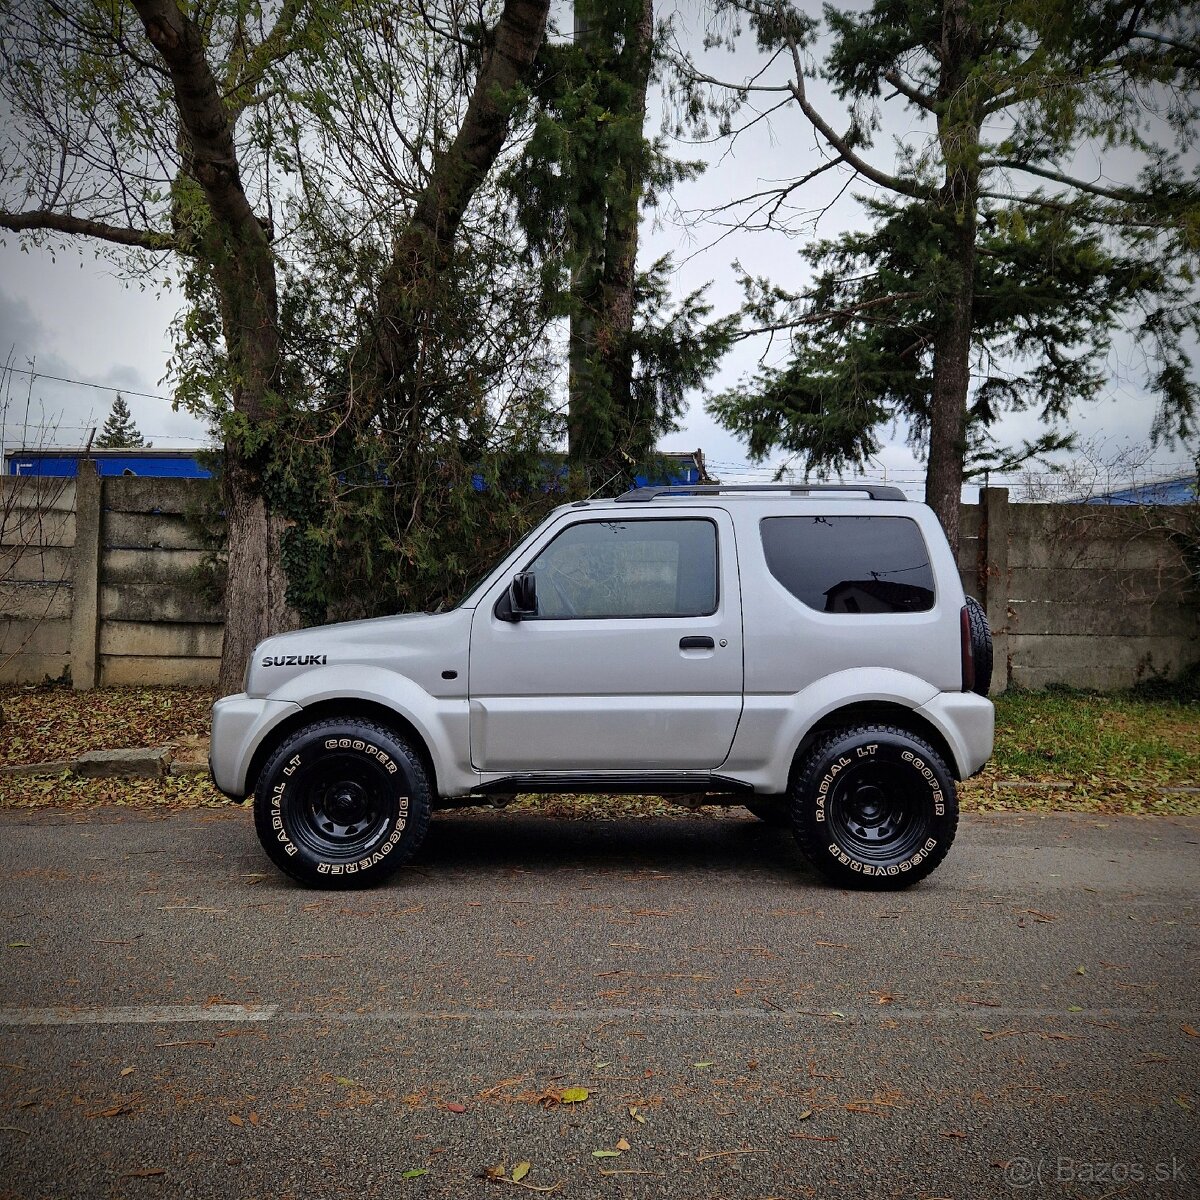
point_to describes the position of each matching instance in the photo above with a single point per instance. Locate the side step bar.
(619, 784)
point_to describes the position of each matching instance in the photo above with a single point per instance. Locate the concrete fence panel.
(102, 580)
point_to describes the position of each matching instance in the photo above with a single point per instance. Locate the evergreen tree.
(579, 186)
(120, 430)
(992, 273)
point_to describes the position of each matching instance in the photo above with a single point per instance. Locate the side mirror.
(520, 600)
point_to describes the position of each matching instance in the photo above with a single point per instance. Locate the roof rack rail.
(642, 495)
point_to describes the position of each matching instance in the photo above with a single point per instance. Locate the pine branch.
(833, 314)
(43, 219)
(918, 97)
(1124, 195)
(841, 145)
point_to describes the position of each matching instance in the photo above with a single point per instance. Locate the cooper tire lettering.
(874, 807)
(342, 804)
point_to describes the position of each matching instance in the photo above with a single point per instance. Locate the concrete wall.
(114, 562)
(98, 580)
(1087, 595)
(37, 552)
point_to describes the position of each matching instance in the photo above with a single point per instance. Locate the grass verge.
(1056, 750)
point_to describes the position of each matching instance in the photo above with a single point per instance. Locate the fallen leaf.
(117, 1110)
(574, 1095)
(1081, 970)
(606, 1154)
(520, 1171)
(253, 1119)
(805, 1115)
(1190, 1030)
(19, 946)
(599, 1065)
(455, 1107)
(637, 1116)
(496, 1172)
(623, 1144)
(1039, 916)
(234, 1119)
(702, 1066)
(347, 1082)
(127, 1071)
(414, 1172)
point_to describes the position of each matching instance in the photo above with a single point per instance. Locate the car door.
(634, 661)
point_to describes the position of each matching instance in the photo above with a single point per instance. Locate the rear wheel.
(874, 807)
(342, 804)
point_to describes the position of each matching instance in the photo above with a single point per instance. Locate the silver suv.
(807, 652)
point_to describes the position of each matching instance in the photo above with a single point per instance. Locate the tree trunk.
(951, 381)
(606, 435)
(958, 134)
(256, 590)
(387, 370)
(238, 249)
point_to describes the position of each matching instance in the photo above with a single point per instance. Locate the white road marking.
(139, 1014)
(177, 1014)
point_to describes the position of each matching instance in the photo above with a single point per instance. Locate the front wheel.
(342, 804)
(874, 807)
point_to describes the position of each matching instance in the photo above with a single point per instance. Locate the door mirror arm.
(520, 599)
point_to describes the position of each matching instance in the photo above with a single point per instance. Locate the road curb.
(146, 762)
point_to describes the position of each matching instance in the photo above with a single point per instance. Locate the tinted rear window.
(850, 564)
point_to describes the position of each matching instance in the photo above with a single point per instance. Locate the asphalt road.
(176, 1019)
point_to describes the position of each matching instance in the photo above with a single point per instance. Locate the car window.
(850, 564)
(647, 568)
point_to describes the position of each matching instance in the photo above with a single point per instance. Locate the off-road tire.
(342, 804)
(874, 807)
(981, 645)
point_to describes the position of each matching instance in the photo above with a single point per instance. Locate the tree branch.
(820, 318)
(918, 97)
(43, 219)
(841, 145)
(1123, 195)
(201, 111)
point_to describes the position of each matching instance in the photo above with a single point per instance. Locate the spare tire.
(981, 645)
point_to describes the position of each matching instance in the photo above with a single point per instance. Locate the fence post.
(85, 604)
(993, 576)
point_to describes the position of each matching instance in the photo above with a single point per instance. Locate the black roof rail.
(641, 495)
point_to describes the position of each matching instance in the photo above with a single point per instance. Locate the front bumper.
(239, 725)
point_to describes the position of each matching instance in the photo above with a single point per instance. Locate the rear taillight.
(968, 655)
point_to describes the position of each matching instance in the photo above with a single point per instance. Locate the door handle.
(696, 643)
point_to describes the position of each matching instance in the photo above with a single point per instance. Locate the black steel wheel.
(341, 804)
(874, 807)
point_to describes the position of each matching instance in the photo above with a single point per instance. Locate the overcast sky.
(72, 316)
